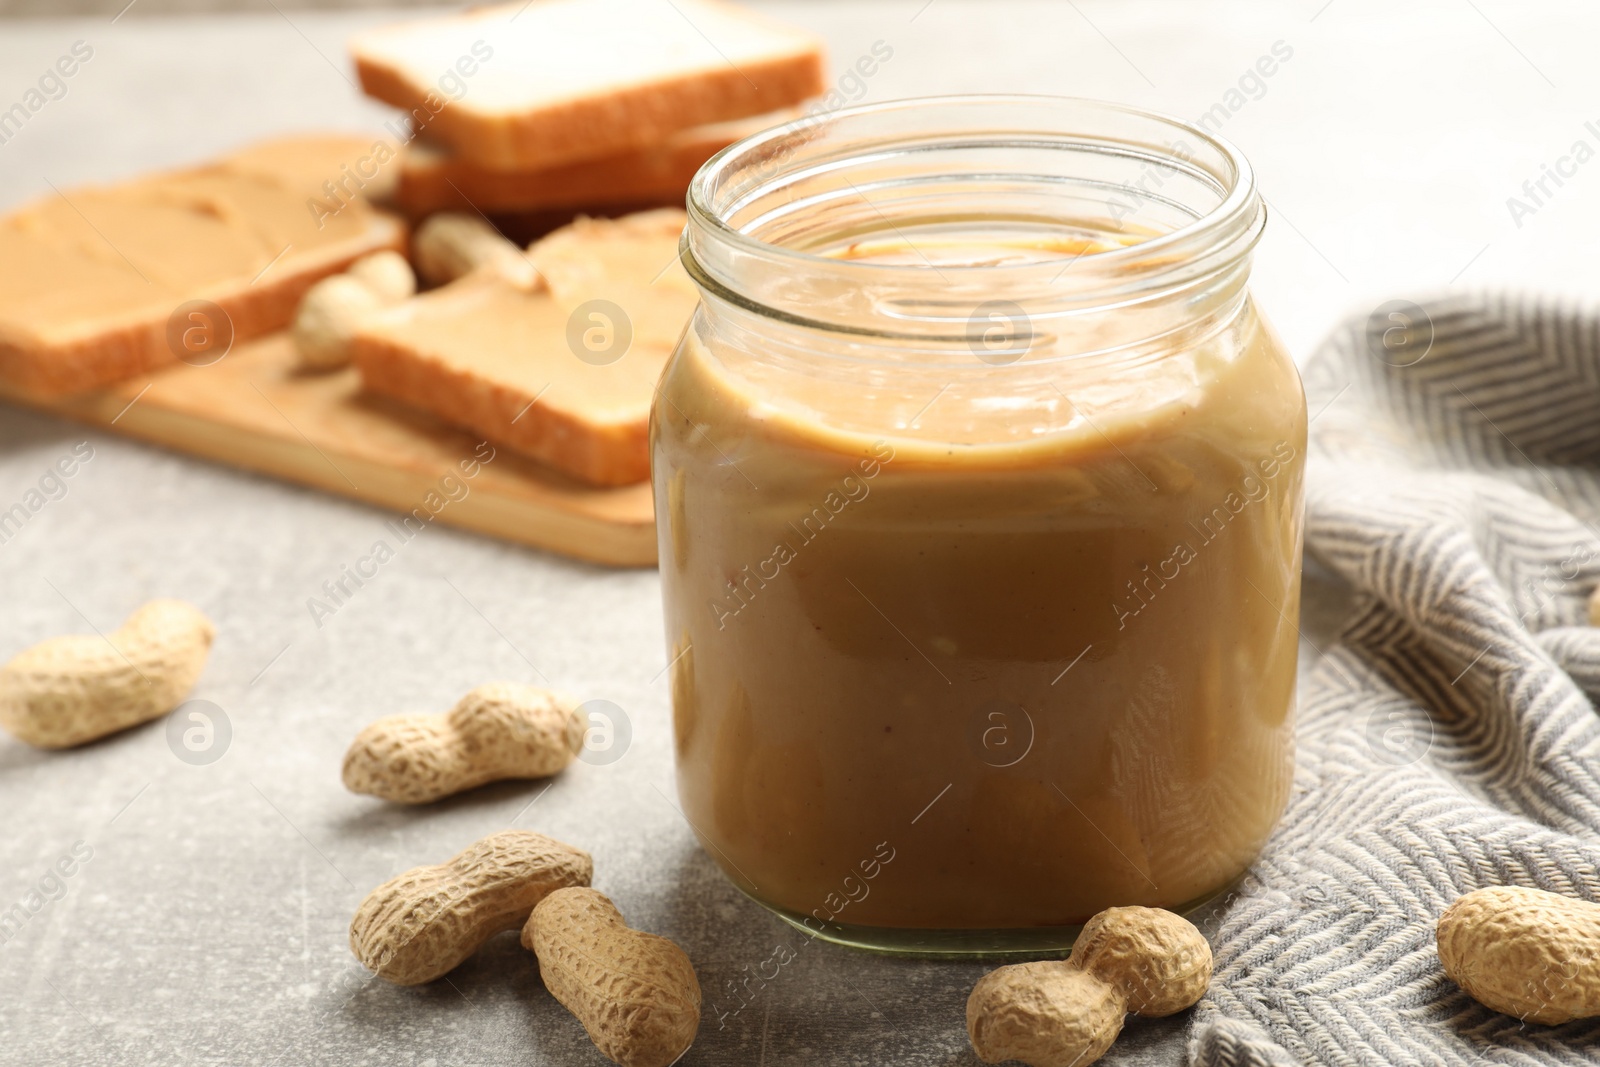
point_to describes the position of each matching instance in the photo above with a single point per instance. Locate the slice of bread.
(526, 227)
(334, 166)
(536, 84)
(94, 282)
(434, 178)
(549, 371)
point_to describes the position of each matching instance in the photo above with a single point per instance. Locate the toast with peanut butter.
(334, 167)
(540, 83)
(103, 283)
(562, 370)
(433, 178)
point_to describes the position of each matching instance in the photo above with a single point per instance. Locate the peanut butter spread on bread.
(89, 277)
(564, 372)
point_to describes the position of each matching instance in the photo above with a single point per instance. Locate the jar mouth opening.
(775, 220)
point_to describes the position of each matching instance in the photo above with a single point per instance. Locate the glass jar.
(979, 485)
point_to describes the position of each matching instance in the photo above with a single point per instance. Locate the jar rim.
(718, 253)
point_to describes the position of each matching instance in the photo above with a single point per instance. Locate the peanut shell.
(1525, 952)
(420, 925)
(499, 730)
(1043, 1014)
(635, 993)
(1156, 958)
(69, 690)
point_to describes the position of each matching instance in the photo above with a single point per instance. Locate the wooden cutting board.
(255, 410)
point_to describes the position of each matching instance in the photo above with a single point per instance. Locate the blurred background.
(1394, 144)
(68, 8)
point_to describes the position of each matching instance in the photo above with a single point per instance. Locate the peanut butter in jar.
(980, 481)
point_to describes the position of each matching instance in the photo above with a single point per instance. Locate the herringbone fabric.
(1448, 741)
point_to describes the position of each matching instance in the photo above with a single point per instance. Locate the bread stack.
(545, 110)
(542, 106)
(541, 110)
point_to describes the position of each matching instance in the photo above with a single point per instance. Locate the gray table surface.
(209, 924)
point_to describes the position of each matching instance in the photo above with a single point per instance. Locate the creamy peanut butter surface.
(1032, 640)
(90, 276)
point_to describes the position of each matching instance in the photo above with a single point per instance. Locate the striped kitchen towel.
(1449, 739)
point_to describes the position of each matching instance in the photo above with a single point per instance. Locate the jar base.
(1035, 942)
